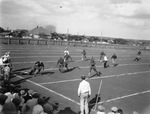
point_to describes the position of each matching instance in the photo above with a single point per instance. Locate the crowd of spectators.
(24, 101)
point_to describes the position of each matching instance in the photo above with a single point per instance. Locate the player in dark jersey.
(93, 67)
(60, 64)
(102, 56)
(139, 53)
(113, 58)
(67, 59)
(83, 55)
(38, 66)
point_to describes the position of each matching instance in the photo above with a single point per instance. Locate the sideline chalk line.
(109, 76)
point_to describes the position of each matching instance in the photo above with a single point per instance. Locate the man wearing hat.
(101, 109)
(84, 92)
(113, 110)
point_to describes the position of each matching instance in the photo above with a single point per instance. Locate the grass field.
(126, 86)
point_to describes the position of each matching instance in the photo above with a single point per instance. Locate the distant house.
(6, 34)
(39, 32)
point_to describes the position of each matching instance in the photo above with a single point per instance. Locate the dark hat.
(83, 77)
(16, 101)
(9, 108)
(41, 101)
(35, 95)
(3, 99)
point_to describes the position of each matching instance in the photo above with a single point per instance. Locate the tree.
(1, 30)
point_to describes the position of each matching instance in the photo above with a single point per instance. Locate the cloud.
(80, 15)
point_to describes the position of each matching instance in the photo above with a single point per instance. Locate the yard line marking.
(110, 76)
(126, 96)
(61, 95)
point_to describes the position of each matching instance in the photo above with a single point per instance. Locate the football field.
(126, 86)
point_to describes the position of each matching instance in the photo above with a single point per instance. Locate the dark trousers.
(105, 64)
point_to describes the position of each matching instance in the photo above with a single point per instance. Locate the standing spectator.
(93, 67)
(105, 61)
(83, 55)
(84, 92)
(101, 109)
(113, 58)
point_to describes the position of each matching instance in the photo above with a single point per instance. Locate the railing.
(70, 43)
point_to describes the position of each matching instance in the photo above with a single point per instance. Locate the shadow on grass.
(20, 81)
(67, 110)
(71, 69)
(22, 69)
(92, 102)
(47, 72)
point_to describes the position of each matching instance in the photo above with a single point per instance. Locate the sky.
(128, 19)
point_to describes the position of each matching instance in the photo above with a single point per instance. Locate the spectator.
(113, 110)
(120, 111)
(48, 108)
(84, 92)
(101, 109)
(2, 101)
(17, 102)
(28, 106)
(9, 108)
(38, 108)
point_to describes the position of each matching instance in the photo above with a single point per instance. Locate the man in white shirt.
(84, 92)
(105, 61)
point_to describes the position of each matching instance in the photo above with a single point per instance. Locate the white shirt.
(84, 86)
(105, 58)
(66, 52)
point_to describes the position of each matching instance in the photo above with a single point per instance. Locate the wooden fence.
(70, 43)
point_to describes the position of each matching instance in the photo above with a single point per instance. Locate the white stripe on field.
(50, 90)
(110, 76)
(126, 96)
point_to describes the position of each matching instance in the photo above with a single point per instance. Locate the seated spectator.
(28, 106)
(2, 101)
(9, 108)
(120, 111)
(48, 108)
(101, 109)
(38, 108)
(17, 102)
(113, 110)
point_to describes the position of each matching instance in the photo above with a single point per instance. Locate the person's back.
(92, 61)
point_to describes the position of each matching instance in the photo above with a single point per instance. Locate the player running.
(102, 56)
(67, 59)
(113, 58)
(93, 67)
(83, 55)
(60, 64)
(139, 53)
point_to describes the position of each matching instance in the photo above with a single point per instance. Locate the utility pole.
(68, 36)
(101, 35)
